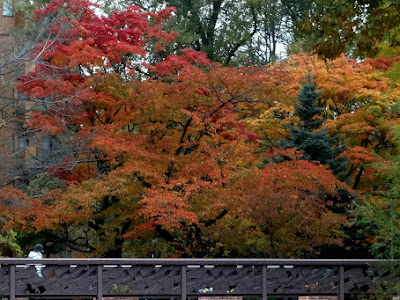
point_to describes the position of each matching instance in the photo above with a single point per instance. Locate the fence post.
(264, 282)
(183, 282)
(341, 282)
(99, 282)
(12, 282)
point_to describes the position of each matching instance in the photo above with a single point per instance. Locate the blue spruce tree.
(308, 136)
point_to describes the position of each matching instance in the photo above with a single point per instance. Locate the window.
(22, 97)
(23, 141)
(8, 8)
(49, 143)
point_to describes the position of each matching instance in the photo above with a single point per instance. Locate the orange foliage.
(161, 153)
(143, 148)
(282, 210)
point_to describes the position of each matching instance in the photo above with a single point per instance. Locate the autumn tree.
(145, 151)
(161, 153)
(360, 103)
(282, 210)
(140, 149)
(355, 102)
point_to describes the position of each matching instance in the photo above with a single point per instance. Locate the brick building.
(8, 96)
(17, 145)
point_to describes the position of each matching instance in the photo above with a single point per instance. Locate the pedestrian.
(36, 253)
(32, 287)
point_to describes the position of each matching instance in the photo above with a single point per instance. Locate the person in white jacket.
(36, 253)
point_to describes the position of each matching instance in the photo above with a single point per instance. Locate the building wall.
(7, 95)
(19, 148)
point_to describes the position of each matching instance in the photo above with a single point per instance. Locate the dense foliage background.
(252, 128)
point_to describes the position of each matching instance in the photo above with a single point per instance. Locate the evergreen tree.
(307, 135)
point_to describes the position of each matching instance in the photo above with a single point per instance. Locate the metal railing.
(182, 278)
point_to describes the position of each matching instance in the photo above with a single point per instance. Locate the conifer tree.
(307, 135)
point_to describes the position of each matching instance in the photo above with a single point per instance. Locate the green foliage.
(8, 244)
(248, 31)
(349, 26)
(299, 45)
(380, 220)
(307, 109)
(51, 242)
(42, 185)
(379, 216)
(387, 50)
(231, 32)
(394, 73)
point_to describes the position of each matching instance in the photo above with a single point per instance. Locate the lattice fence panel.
(305, 280)
(224, 280)
(366, 279)
(142, 280)
(4, 280)
(57, 280)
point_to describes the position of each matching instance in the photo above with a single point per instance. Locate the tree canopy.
(167, 151)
